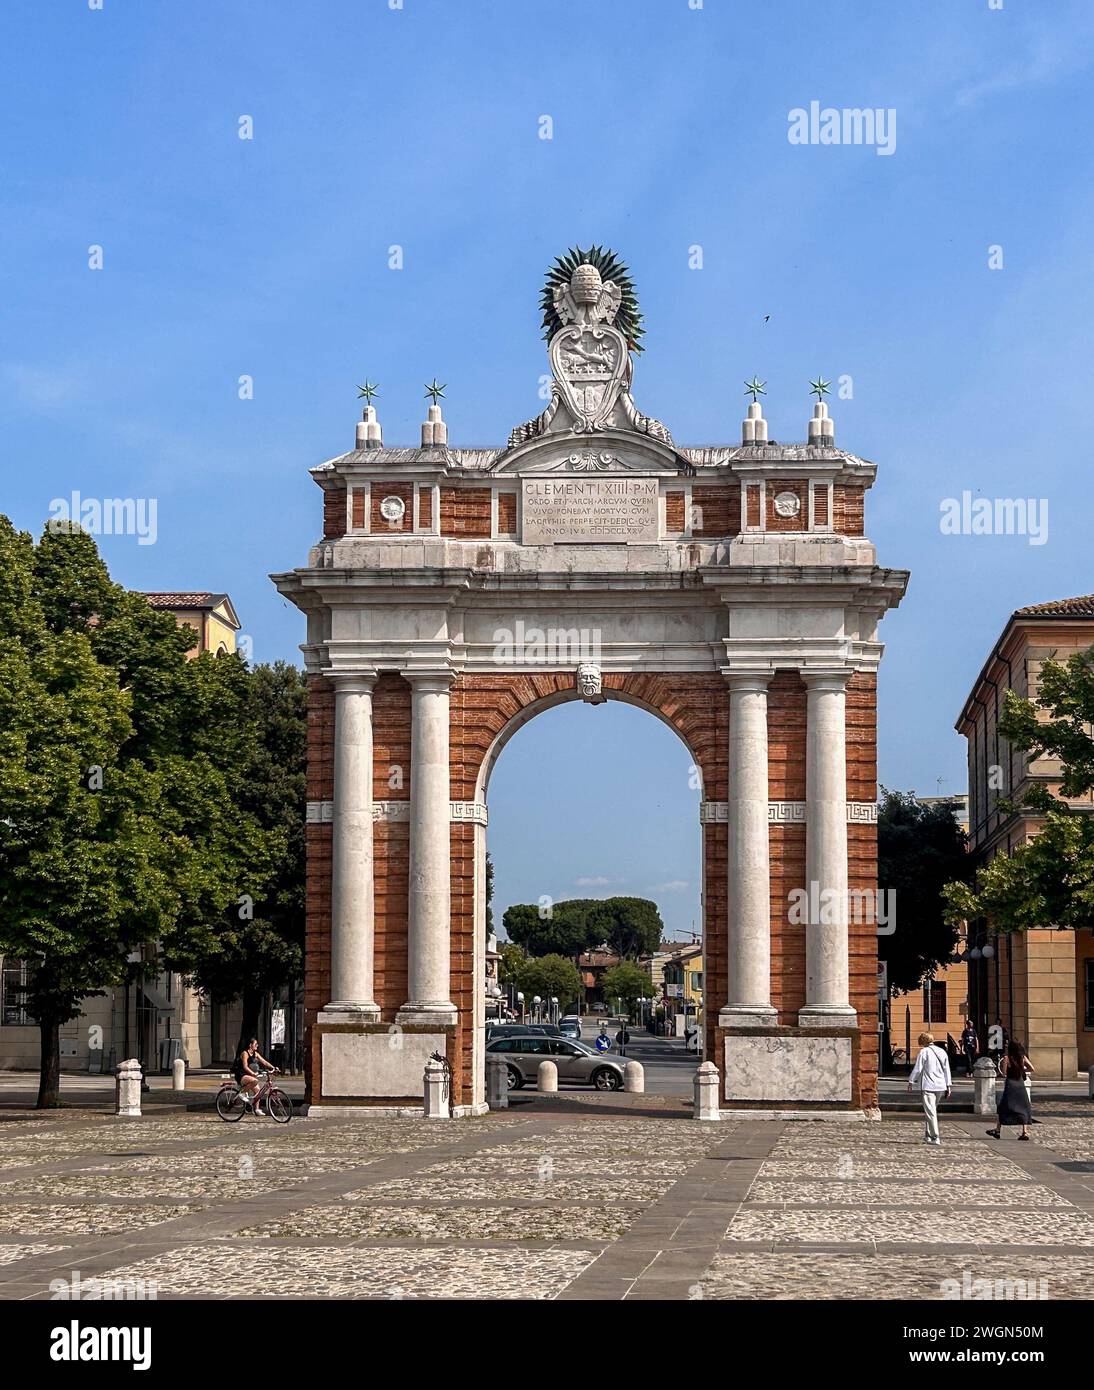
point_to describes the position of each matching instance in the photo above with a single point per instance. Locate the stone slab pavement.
(617, 1198)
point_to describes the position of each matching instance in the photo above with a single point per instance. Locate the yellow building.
(1038, 984)
(211, 616)
(682, 982)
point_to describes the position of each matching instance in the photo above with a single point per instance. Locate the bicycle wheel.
(230, 1104)
(279, 1106)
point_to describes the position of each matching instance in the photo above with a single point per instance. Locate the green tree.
(84, 875)
(920, 850)
(630, 927)
(256, 944)
(1049, 880)
(561, 929)
(628, 982)
(132, 804)
(551, 977)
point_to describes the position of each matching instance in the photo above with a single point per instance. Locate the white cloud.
(592, 882)
(674, 885)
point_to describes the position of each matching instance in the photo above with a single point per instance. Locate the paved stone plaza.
(588, 1198)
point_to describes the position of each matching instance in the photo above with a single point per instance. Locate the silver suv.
(577, 1063)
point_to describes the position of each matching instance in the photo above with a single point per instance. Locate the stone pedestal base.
(359, 1065)
(793, 1070)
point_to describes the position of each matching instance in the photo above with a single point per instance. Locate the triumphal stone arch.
(729, 589)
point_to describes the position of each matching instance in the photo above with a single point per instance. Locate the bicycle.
(233, 1101)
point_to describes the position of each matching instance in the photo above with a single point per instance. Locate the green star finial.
(435, 392)
(755, 388)
(370, 389)
(819, 388)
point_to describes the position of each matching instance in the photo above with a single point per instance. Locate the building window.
(13, 1008)
(1089, 966)
(934, 1001)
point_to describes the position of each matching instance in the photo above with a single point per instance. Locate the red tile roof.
(175, 600)
(1081, 607)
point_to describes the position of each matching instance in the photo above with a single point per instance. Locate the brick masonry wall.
(697, 706)
(716, 511)
(405, 492)
(334, 512)
(465, 512)
(848, 510)
(800, 520)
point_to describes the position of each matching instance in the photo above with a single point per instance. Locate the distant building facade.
(1039, 984)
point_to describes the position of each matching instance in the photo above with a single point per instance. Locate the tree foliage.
(920, 849)
(626, 981)
(143, 794)
(631, 927)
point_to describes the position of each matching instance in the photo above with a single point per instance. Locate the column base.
(428, 1012)
(747, 1016)
(827, 1016)
(349, 1011)
(790, 1069)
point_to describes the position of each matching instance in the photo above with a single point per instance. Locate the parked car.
(517, 1030)
(576, 1062)
(570, 1027)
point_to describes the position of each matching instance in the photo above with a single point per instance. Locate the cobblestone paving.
(542, 1203)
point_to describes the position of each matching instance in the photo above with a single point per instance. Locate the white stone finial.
(369, 433)
(822, 428)
(434, 429)
(754, 426)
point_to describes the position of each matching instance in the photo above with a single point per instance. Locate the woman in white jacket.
(931, 1076)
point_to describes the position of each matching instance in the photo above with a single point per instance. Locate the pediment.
(598, 452)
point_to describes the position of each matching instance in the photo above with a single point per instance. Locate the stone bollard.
(435, 1079)
(497, 1083)
(127, 1089)
(178, 1075)
(547, 1078)
(1090, 1081)
(706, 1093)
(984, 1074)
(634, 1078)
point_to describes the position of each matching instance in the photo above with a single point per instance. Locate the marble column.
(827, 973)
(748, 917)
(351, 951)
(430, 909)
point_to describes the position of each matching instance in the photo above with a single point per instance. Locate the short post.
(1090, 1081)
(547, 1077)
(127, 1089)
(435, 1080)
(178, 1075)
(497, 1083)
(634, 1077)
(983, 1086)
(706, 1092)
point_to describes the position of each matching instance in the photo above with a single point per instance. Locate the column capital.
(434, 680)
(755, 682)
(353, 682)
(831, 678)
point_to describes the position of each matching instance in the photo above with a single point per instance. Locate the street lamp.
(536, 1002)
(520, 1001)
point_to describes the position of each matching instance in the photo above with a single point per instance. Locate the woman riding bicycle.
(246, 1077)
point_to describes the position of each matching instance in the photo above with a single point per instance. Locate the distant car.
(570, 1027)
(577, 1063)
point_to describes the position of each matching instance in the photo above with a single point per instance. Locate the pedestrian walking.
(931, 1076)
(1013, 1107)
(970, 1045)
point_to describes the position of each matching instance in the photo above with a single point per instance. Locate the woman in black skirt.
(1013, 1107)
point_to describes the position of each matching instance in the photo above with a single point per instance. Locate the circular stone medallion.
(393, 509)
(788, 504)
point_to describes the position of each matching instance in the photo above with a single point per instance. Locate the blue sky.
(419, 127)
